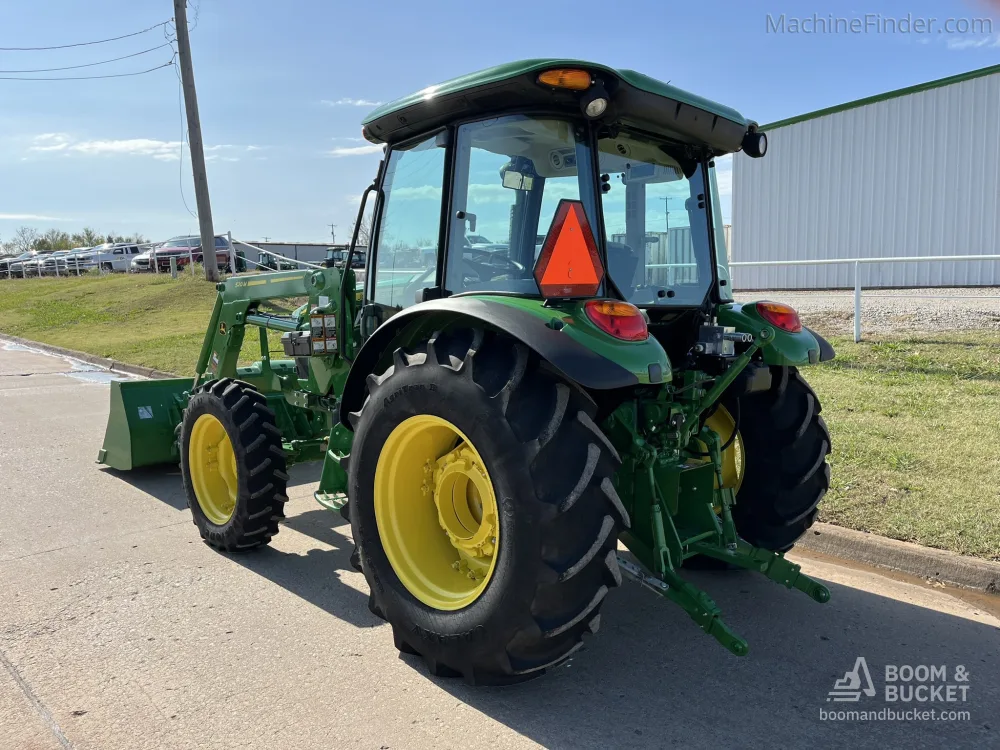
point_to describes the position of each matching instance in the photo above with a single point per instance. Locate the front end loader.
(544, 359)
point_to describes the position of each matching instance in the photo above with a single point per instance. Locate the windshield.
(181, 242)
(511, 172)
(655, 221)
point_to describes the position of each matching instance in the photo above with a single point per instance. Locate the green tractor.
(495, 417)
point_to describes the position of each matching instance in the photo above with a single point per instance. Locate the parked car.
(32, 266)
(142, 262)
(13, 266)
(111, 256)
(53, 263)
(184, 249)
(79, 258)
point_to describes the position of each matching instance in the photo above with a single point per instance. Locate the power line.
(89, 65)
(84, 44)
(180, 162)
(90, 78)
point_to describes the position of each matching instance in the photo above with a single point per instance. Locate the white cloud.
(355, 150)
(421, 193)
(162, 150)
(348, 138)
(50, 142)
(157, 149)
(29, 217)
(348, 102)
(962, 43)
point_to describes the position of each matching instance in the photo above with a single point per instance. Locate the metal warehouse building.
(914, 172)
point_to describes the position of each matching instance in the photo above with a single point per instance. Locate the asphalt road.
(120, 629)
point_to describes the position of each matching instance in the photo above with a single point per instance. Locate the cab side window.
(408, 237)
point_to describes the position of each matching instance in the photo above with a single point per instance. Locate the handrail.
(277, 255)
(835, 261)
(857, 271)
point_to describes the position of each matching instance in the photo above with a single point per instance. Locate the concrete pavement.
(120, 629)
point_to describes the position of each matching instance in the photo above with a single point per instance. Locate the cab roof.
(635, 100)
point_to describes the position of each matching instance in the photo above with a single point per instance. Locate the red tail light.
(619, 319)
(780, 316)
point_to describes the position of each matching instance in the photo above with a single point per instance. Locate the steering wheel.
(499, 266)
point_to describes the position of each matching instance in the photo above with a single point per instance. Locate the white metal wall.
(912, 175)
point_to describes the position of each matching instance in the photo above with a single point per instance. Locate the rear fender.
(524, 321)
(785, 348)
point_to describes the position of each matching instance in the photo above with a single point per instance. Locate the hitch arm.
(771, 564)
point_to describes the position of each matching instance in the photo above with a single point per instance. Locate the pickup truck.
(111, 256)
(184, 249)
(13, 267)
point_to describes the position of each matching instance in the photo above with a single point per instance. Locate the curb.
(91, 359)
(925, 562)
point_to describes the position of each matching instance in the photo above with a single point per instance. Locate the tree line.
(26, 239)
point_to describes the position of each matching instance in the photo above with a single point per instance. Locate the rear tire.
(786, 444)
(559, 516)
(259, 493)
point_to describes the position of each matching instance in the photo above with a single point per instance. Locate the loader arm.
(144, 415)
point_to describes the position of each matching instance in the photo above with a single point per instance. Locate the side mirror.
(518, 174)
(517, 181)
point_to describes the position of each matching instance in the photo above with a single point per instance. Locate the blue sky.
(283, 88)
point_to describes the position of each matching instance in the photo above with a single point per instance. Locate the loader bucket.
(141, 424)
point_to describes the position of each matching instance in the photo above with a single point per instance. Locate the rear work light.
(780, 316)
(619, 319)
(566, 78)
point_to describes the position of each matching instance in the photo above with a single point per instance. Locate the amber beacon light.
(566, 78)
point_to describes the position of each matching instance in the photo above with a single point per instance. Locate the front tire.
(549, 468)
(233, 465)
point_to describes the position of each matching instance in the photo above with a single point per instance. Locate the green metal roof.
(506, 71)
(916, 89)
(637, 100)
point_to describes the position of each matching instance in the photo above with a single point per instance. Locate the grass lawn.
(915, 421)
(143, 319)
(915, 424)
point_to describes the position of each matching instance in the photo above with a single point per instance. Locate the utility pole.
(195, 143)
(333, 233)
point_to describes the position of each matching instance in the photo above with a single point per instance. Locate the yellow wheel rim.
(733, 458)
(436, 512)
(212, 463)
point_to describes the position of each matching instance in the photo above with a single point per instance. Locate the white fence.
(857, 272)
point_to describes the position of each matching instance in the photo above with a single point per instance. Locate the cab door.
(403, 261)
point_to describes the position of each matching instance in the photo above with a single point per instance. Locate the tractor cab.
(634, 154)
